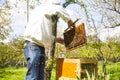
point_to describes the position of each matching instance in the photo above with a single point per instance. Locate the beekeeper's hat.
(50, 1)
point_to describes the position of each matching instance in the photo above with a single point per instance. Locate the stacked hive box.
(71, 69)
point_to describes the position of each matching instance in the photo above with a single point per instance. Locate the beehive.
(71, 68)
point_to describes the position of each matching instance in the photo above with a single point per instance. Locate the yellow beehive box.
(71, 68)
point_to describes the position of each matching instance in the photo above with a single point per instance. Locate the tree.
(5, 20)
(49, 64)
(109, 10)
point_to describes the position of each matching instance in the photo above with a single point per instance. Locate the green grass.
(13, 73)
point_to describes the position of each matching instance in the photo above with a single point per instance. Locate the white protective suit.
(39, 27)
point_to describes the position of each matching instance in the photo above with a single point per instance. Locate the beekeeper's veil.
(50, 1)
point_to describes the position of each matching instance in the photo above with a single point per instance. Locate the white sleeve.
(63, 14)
(59, 11)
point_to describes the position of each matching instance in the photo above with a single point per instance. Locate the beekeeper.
(38, 36)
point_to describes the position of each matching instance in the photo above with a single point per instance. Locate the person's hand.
(60, 40)
(70, 23)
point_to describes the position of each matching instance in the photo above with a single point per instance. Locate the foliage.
(12, 54)
(4, 51)
(113, 70)
(109, 50)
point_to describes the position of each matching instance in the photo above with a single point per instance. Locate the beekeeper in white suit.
(38, 36)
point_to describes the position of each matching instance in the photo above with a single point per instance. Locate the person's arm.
(60, 40)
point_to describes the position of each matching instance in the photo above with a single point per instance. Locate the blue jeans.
(35, 56)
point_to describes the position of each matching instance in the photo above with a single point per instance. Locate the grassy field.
(13, 73)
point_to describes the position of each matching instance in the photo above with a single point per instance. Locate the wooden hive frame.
(75, 37)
